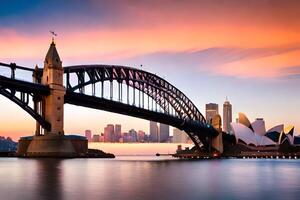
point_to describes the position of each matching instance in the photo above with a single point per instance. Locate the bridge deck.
(24, 86)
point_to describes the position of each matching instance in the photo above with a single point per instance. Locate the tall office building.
(211, 110)
(118, 132)
(132, 135)
(179, 136)
(164, 133)
(227, 116)
(109, 135)
(141, 136)
(88, 135)
(96, 138)
(106, 135)
(153, 132)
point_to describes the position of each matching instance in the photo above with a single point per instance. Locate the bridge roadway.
(125, 109)
(198, 130)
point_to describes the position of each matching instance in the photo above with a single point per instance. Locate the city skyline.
(113, 133)
(251, 59)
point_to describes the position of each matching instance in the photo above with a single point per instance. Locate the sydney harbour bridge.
(118, 89)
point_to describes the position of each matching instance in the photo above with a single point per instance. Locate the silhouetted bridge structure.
(112, 88)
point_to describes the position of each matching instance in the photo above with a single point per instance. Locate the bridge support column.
(36, 101)
(37, 109)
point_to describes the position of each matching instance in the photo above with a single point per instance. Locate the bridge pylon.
(37, 100)
(53, 104)
(53, 142)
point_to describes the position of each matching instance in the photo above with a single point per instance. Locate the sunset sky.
(246, 50)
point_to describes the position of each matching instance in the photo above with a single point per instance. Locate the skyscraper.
(211, 110)
(179, 136)
(118, 132)
(227, 116)
(109, 133)
(153, 132)
(88, 135)
(164, 133)
(106, 135)
(132, 135)
(96, 138)
(141, 136)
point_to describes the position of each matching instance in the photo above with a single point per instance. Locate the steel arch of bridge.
(178, 110)
(186, 116)
(20, 92)
(164, 94)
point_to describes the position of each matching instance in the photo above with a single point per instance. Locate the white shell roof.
(243, 119)
(244, 133)
(248, 136)
(278, 128)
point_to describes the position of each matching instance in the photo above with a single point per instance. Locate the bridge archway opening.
(12, 117)
(170, 106)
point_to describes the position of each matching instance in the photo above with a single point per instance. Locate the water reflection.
(48, 175)
(148, 178)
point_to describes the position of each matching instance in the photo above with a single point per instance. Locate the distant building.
(146, 138)
(106, 135)
(141, 136)
(179, 136)
(164, 133)
(102, 137)
(125, 137)
(153, 132)
(88, 135)
(118, 132)
(227, 116)
(96, 138)
(211, 110)
(132, 136)
(109, 135)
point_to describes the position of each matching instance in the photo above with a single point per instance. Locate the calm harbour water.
(142, 177)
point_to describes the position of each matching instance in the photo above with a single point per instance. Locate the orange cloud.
(267, 66)
(251, 39)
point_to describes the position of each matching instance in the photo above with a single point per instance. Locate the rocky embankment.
(96, 153)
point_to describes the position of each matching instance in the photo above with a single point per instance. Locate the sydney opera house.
(255, 134)
(252, 140)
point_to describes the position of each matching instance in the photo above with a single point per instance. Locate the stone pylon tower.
(53, 143)
(53, 105)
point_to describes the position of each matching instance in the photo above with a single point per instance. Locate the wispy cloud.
(217, 60)
(291, 69)
(292, 77)
(290, 72)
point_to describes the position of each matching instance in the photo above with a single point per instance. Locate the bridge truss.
(118, 89)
